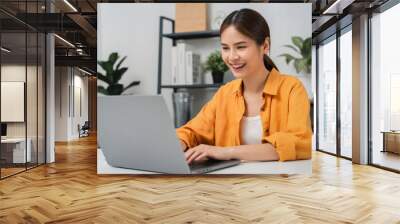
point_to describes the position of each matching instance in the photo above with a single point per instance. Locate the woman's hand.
(203, 152)
(183, 145)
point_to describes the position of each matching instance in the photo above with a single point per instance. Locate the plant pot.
(218, 77)
(115, 89)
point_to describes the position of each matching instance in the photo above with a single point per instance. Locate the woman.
(262, 115)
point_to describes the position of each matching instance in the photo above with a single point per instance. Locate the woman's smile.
(237, 67)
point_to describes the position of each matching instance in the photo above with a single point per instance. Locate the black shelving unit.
(192, 35)
(180, 36)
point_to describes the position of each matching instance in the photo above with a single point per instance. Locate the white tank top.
(251, 130)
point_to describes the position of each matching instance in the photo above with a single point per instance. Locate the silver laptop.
(137, 132)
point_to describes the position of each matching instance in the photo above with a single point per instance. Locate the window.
(22, 77)
(385, 89)
(346, 93)
(327, 96)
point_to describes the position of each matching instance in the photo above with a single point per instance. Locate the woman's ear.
(266, 46)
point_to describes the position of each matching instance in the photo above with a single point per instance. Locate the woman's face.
(242, 54)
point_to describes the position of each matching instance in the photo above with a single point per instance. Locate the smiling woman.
(263, 115)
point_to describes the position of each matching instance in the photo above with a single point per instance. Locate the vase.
(218, 77)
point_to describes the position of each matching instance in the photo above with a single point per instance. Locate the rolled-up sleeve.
(294, 142)
(201, 129)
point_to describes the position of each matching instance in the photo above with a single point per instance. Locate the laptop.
(137, 132)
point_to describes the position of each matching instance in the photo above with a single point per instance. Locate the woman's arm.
(293, 142)
(258, 152)
(200, 129)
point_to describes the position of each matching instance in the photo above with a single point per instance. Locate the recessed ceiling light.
(70, 5)
(84, 71)
(338, 6)
(64, 40)
(5, 50)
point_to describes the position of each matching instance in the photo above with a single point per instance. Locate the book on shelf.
(174, 65)
(192, 70)
(182, 47)
(185, 65)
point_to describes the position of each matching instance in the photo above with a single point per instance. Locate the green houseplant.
(216, 65)
(113, 75)
(302, 48)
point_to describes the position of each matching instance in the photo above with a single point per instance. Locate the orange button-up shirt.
(285, 117)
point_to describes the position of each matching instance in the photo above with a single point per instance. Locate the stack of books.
(186, 65)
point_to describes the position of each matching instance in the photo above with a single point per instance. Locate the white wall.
(61, 103)
(33, 126)
(132, 31)
(68, 82)
(79, 117)
(17, 72)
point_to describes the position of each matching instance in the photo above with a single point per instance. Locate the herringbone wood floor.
(70, 191)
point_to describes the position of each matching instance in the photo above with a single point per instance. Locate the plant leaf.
(288, 57)
(118, 74)
(292, 47)
(298, 41)
(120, 62)
(309, 65)
(103, 78)
(101, 89)
(297, 65)
(113, 58)
(306, 50)
(134, 83)
(106, 66)
(301, 65)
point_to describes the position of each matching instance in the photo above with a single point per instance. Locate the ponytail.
(269, 64)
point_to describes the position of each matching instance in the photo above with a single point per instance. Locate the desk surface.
(290, 167)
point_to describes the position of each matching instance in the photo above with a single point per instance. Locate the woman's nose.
(233, 55)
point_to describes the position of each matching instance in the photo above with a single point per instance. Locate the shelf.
(194, 86)
(192, 35)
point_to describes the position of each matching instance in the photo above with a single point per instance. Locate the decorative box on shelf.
(190, 17)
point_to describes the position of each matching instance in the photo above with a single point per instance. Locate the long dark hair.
(253, 25)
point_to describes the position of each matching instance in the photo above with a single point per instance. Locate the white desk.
(290, 167)
(19, 149)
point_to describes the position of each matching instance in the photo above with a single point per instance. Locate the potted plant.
(216, 65)
(113, 75)
(302, 48)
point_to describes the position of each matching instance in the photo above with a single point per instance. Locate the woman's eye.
(225, 48)
(241, 47)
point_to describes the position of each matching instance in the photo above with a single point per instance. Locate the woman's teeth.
(238, 66)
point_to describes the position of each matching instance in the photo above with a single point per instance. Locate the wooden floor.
(70, 191)
(5, 172)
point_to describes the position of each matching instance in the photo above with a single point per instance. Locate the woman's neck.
(255, 84)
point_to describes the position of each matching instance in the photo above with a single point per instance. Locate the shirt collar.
(271, 87)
